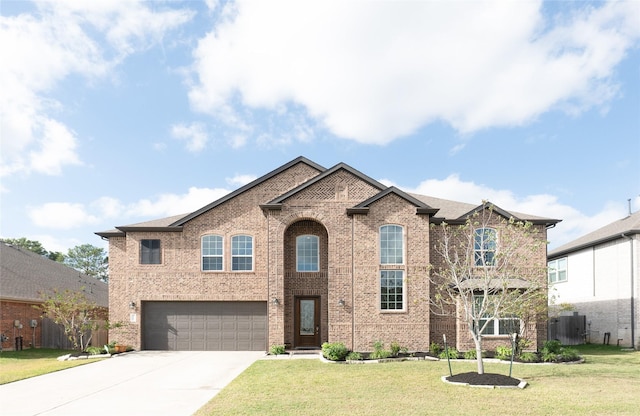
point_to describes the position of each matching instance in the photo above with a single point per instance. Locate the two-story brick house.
(300, 256)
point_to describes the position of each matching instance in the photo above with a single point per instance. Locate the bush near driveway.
(18, 365)
(607, 383)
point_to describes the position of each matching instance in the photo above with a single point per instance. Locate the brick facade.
(24, 313)
(300, 198)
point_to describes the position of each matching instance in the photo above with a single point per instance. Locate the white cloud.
(574, 223)
(173, 204)
(87, 39)
(61, 215)
(375, 71)
(194, 134)
(240, 180)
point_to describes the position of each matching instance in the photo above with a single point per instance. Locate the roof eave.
(170, 229)
(563, 252)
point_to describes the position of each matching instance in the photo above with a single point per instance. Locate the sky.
(117, 112)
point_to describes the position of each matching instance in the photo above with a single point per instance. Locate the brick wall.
(349, 263)
(10, 311)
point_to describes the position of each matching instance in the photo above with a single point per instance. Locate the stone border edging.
(522, 384)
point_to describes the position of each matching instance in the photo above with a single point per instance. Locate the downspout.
(353, 296)
(631, 272)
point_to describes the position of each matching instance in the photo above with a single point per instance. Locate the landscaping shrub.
(503, 353)
(277, 349)
(354, 356)
(94, 350)
(435, 349)
(472, 355)
(552, 346)
(334, 351)
(379, 352)
(529, 357)
(453, 353)
(395, 349)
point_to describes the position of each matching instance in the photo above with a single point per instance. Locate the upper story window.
(484, 246)
(212, 252)
(557, 270)
(307, 253)
(391, 244)
(241, 253)
(150, 252)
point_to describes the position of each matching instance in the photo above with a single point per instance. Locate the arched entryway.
(306, 262)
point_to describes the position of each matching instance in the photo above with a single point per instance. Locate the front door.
(307, 322)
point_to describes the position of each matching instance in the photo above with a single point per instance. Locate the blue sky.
(119, 112)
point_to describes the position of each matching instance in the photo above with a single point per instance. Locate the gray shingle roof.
(443, 208)
(627, 226)
(24, 275)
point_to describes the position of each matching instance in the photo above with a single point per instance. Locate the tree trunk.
(478, 343)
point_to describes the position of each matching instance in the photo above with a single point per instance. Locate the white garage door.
(204, 326)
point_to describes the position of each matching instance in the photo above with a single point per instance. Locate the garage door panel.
(200, 326)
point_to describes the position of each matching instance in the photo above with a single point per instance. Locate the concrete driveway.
(138, 383)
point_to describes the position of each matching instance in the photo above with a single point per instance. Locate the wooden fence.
(569, 330)
(53, 336)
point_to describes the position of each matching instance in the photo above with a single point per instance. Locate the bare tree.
(490, 271)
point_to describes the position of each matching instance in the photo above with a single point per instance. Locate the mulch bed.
(486, 379)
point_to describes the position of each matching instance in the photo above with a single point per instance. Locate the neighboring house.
(300, 256)
(599, 276)
(24, 277)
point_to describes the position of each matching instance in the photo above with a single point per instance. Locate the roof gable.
(421, 207)
(277, 202)
(246, 187)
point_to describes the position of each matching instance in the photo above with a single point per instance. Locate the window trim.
(149, 252)
(317, 253)
(251, 256)
(497, 322)
(403, 294)
(557, 270)
(203, 256)
(479, 254)
(403, 248)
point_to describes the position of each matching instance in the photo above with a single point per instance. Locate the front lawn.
(607, 383)
(18, 365)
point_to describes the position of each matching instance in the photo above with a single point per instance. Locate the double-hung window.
(212, 253)
(307, 253)
(484, 246)
(392, 281)
(150, 252)
(557, 270)
(241, 253)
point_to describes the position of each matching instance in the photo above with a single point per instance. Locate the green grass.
(607, 383)
(18, 365)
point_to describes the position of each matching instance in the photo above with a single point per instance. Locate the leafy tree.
(36, 247)
(90, 260)
(78, 315)
(56, 256)
(489, 267)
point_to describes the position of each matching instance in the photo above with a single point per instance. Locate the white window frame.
(479, 254)
(403, 288)
(384, 253)
(220, 256)
(497, 322)
(241, 256)
(554, 270)
(310, 255)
